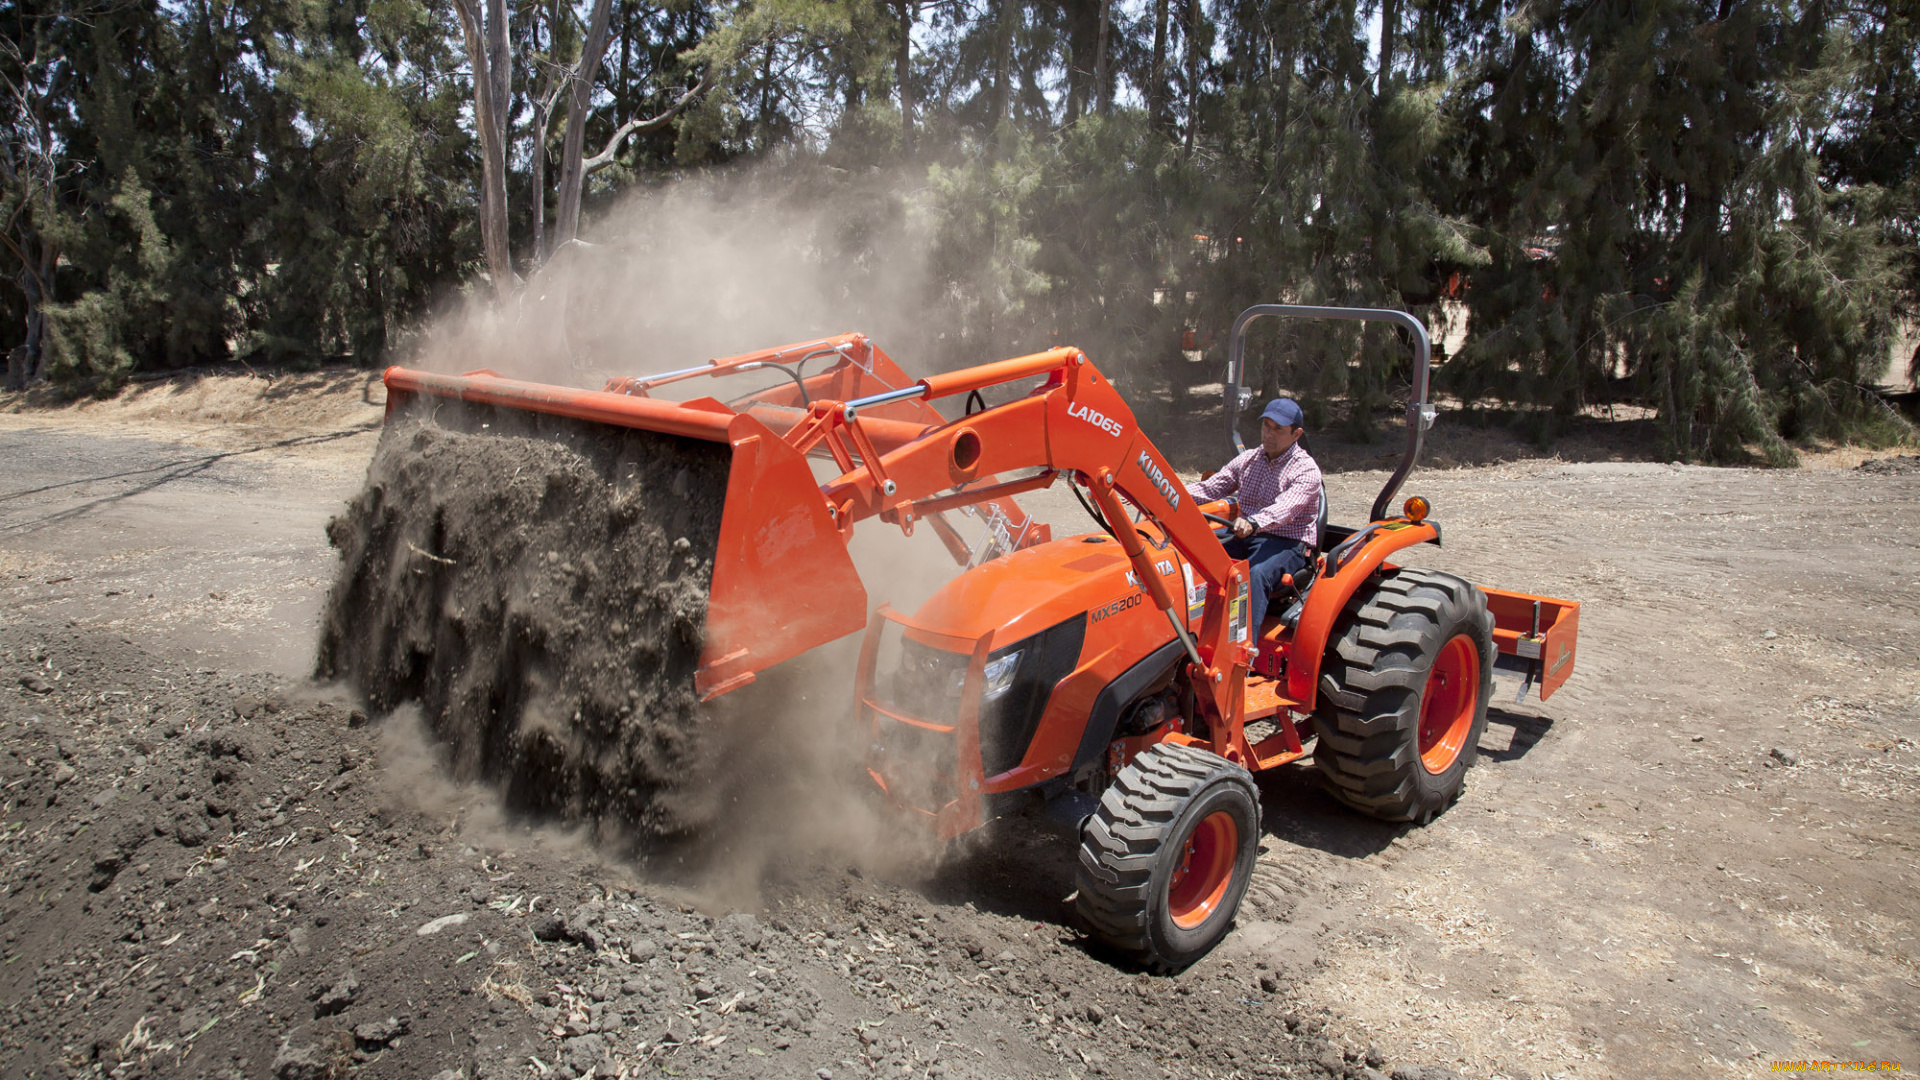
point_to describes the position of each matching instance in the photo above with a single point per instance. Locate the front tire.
(1403, 695)
(1166, 860)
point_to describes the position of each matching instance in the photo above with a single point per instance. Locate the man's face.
(1275, 438)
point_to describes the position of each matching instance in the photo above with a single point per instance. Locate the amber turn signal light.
(1417, 509)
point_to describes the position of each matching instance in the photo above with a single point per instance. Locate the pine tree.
(1705, 206)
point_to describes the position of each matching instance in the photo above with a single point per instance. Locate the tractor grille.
(925, 685)
(919, 764)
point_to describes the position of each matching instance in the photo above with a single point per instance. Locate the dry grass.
(323, 400)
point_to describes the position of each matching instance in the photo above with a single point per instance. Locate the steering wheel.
(1225, 533)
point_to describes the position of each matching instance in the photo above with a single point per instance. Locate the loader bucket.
(781, 582)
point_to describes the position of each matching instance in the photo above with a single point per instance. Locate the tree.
(483, 25)
(1102, 82)
(256, 180)
(31, 168)
(1706, 206)
(903, 70)
(574, 166)
(1871, 155)
(549, 84)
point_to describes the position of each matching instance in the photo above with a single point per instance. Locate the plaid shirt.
(1281, 496)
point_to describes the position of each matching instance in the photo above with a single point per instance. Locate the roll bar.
(1420, 411)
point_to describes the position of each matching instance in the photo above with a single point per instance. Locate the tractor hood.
(1019, 595)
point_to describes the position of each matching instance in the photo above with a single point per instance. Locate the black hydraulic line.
(806, 400)
(1158, 545)
(801, 364)
(1091, 512)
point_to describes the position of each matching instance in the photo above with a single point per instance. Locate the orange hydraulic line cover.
(595, 405)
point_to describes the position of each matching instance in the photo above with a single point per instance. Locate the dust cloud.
(519, 586)
(414, 777)
(705, 267)
(787, 794)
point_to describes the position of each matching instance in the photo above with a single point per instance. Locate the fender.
(1328, 595)
(1105, 715)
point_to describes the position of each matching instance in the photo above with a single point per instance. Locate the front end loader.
(1111, 679)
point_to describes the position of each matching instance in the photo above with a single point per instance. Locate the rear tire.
(1166, 860)
(1403, 695)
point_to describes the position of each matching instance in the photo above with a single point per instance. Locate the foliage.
(1710, 207)
(269, 180)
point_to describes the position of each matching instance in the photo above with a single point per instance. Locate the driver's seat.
(1285, 600)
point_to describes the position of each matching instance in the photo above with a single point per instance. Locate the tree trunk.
(626, 48)
(1157, 78)
(36, 343)
(1389, 27)
(1193, 72)
(1282, 81)
(543, 102)
(500, 67)
(493, 158)
(566, 216)
(1002, 61)
(766, 99)
(20, 361)
(1102, 87)
(1080, 23)
(903, 70)
(537, 183)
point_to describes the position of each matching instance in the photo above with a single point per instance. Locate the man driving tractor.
(1278, 486)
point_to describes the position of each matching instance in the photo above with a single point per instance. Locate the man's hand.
(1243, 528)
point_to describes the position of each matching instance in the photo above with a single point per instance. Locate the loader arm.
(1075, 422)
(782, 579)
(854, 368)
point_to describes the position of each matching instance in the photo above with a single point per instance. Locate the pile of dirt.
(539, 586)
(1898, 465)
(225, 875)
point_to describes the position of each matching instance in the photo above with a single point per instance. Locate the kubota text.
(1167, 490)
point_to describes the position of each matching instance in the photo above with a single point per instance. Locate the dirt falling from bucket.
(538, 586)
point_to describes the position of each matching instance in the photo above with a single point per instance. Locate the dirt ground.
(1697, 858)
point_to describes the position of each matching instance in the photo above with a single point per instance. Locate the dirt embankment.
(218, 406)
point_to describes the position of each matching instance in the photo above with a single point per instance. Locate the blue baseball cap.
(1285, 412)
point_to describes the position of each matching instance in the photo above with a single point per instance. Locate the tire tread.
(1371, 686)
(1121, 844)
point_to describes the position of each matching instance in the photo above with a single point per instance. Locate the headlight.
(999, 675)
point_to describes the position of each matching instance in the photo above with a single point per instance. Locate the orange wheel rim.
(1448, 705)
(1206, 868)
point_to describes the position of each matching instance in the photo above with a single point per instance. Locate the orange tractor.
(1110, 679)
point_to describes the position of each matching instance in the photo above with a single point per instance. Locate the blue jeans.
(1269, 558)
